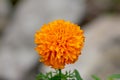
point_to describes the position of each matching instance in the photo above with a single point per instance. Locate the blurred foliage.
(95, 77)
(115, 6)
(71, 76)
(67, 76)
(14, 2)
(116, 1)
(111, 77)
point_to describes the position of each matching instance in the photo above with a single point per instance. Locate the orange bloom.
(59, 43)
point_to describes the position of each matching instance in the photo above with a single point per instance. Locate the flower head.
(59, 43)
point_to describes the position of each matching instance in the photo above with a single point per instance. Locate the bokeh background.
(19, 19)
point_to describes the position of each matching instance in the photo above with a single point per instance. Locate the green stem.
(60, 74)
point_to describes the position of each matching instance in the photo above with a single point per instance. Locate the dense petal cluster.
(59, 43)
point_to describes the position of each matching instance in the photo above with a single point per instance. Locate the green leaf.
(56, 77)
(77, 75)
(41, 76)
(95, 77)
(114, 76)
(49, 74)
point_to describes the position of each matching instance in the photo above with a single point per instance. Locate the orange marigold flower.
(59, 43)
